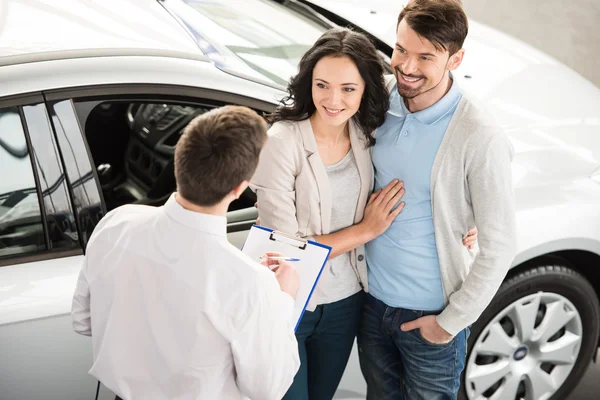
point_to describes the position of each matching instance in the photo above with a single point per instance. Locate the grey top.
(339, 280)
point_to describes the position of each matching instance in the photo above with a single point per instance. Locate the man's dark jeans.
(402, 365)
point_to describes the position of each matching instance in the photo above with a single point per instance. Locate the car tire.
(547, 283)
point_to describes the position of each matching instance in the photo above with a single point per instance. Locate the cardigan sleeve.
(492, 198)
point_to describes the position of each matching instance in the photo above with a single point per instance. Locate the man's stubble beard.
(412, 93)
(406, 91)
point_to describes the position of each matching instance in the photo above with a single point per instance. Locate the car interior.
(133, 145)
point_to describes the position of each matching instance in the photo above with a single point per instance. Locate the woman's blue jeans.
(325, 338)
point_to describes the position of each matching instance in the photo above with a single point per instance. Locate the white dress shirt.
(176, 312)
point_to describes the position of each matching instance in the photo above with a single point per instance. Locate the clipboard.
(313, 257)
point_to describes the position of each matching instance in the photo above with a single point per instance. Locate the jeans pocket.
(427, 342)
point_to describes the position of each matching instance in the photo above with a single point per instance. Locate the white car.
(93, 97)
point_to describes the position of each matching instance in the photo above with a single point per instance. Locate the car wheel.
(535, 340)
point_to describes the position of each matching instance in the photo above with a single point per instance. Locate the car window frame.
(47, 253)
(84, 234)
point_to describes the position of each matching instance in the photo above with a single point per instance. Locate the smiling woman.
(314, 179)
(349, 59)
(337, 93)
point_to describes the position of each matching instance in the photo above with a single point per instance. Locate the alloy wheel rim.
(527, 351)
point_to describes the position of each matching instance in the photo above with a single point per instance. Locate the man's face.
(418, 66)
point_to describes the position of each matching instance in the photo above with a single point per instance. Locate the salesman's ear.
(239, 189)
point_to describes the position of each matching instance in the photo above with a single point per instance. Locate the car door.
(106, 169)
(40, 258)
(94, 121)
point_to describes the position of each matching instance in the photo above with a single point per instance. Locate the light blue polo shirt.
(404, 269)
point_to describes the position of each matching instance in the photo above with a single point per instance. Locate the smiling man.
(426, 288)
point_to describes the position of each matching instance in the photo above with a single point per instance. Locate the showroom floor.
(568, 31)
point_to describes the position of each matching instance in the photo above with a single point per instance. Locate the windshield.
(258, 37)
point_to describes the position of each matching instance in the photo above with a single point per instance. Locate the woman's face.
(337, 89)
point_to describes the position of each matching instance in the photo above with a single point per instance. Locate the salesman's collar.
(207, 223)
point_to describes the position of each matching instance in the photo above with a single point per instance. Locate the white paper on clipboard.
(312, 255)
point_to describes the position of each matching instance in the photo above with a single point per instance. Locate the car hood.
(551, 113)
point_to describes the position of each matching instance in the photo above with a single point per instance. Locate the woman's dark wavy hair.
(339, 42)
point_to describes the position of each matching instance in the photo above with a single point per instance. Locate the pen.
(289, 259)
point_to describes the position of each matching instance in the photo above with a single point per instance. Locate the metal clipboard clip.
(289, 239)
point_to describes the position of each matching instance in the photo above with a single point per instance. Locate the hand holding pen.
(273, 259)
(286, 274)
(279, 258)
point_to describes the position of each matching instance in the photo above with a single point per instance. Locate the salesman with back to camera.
(174, 310)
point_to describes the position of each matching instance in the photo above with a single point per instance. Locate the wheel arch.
(582, 255)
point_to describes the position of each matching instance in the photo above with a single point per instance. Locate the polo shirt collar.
(431, 114)
(207, 223)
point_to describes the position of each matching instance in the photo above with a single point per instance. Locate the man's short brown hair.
(217, 151)
(442, 22)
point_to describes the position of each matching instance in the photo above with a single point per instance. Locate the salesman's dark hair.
(217, 151)
(442, 22)
(339, 42)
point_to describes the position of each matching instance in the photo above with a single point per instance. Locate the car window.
(132, 146)
(21, 226)
(253, 36)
